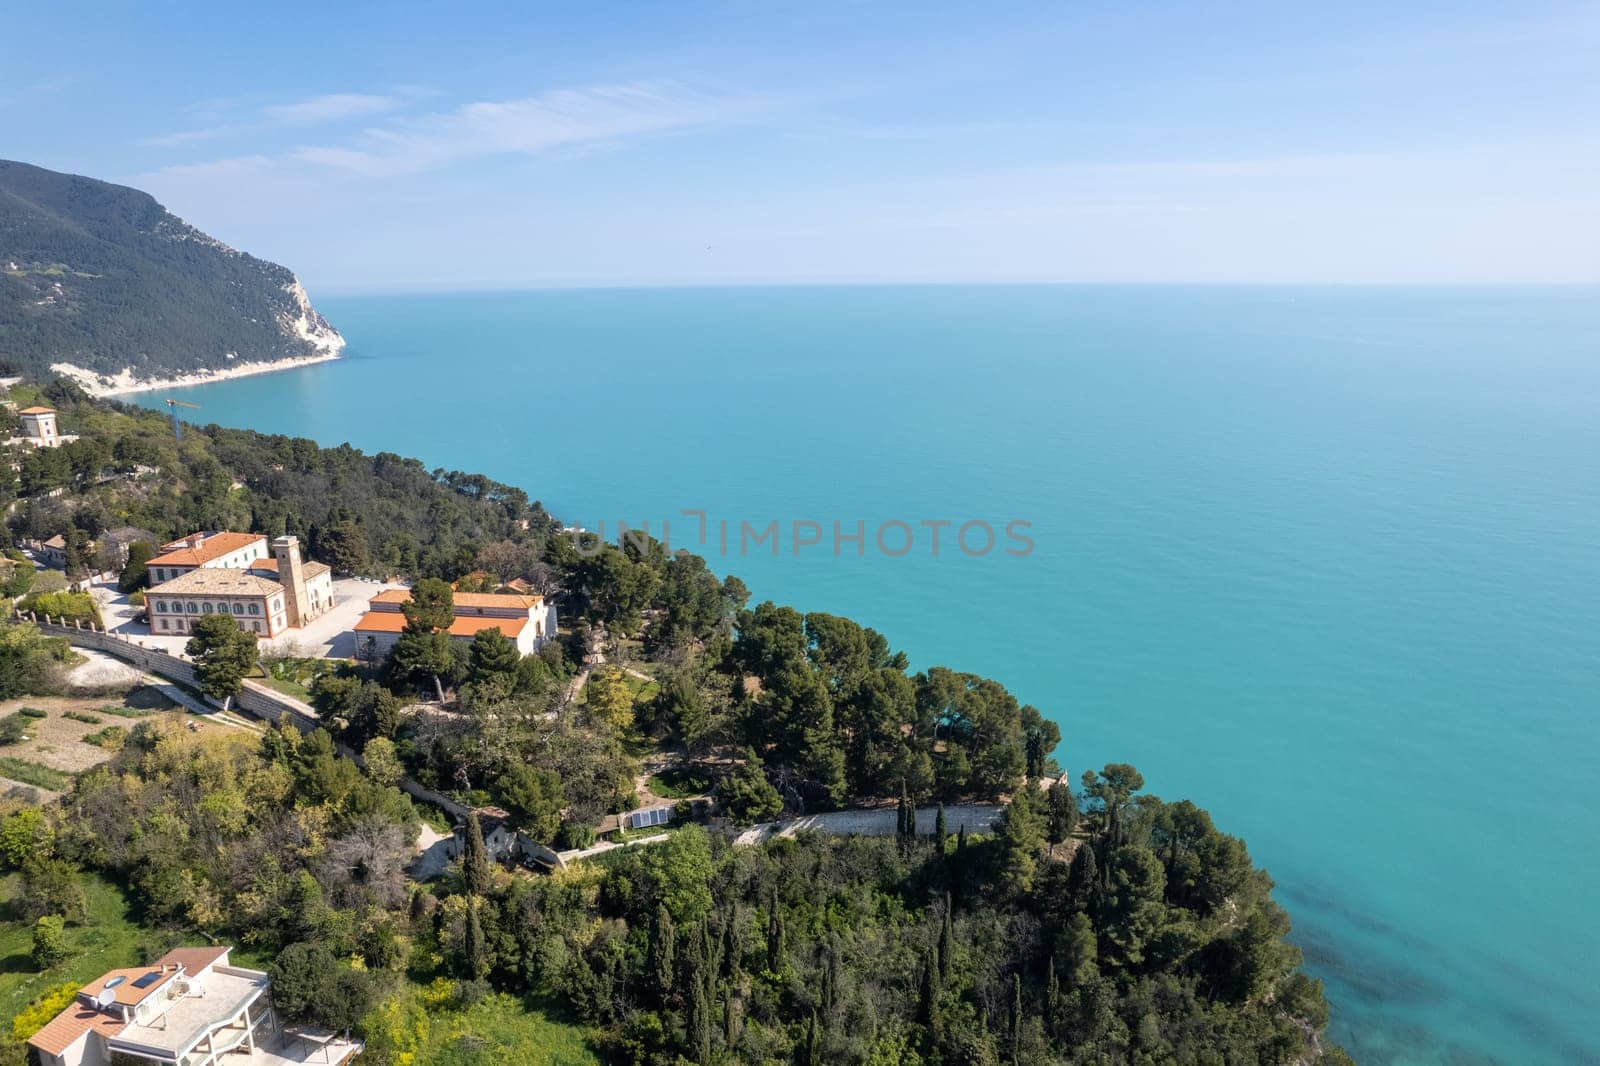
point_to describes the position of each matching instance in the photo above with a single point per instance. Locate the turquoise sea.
(1325, 560)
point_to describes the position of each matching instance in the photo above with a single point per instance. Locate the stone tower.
(292, 576)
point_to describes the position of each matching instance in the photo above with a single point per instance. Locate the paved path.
(877, 822)
(610, 845)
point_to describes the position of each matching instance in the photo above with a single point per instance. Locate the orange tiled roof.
(62, 1031)
(127, 994)
(467, 626)
(37, 411)
(466, 599)
(264, 563)
(213, 547)
(193, 960)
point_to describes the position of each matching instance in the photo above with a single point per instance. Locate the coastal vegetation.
(101, 277)
(1093, 923)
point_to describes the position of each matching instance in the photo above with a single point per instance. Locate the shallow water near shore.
(1325, 560)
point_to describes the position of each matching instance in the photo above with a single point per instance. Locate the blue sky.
(401, 147)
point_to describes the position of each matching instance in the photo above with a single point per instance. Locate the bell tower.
(292, 576)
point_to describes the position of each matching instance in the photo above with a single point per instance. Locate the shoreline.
(103, 386)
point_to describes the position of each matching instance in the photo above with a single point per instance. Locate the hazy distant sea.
(1326, 560)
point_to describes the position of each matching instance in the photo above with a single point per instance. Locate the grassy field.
(33, 773)
(110, 939)
(680, 782)
(501, 1029)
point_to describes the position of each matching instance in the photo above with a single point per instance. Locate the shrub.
(49, 1004)
(111, 738)
(49, 941)
(13, 729)
(72, 606)
(82, 716)
(32, 712)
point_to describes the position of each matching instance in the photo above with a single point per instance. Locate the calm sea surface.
(1326, 561)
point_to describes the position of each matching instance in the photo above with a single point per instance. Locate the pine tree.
(1083, 879)
(1063, 813)
(475, 869)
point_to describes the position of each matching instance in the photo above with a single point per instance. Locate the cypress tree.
(928, 1014)
(475, 861)
(698, 1022)
(939, 831)
(946, 942)
(813, 1053)
(1083, 879)
(775, 946)
(697, 985)
(475, 948)
(663, 951)
(1052, 997)
(1016, 1019)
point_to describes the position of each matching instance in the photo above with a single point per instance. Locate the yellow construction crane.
(173, 405)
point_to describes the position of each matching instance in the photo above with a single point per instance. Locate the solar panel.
(650, 817)
(148, 979)
(115, 981)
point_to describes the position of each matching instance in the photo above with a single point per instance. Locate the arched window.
(255, 608)
(193, 608)
(206, 607)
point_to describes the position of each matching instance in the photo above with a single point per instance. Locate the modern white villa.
(188, 1008)
(234, 573)
(527, 621)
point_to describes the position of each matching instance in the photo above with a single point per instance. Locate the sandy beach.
(124, 383)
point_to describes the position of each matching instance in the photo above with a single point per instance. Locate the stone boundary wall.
(254, 699)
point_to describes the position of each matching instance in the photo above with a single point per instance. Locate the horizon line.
(484, 287)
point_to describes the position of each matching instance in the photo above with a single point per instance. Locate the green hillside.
(104, 278)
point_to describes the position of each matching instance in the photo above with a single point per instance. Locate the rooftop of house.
(129, 987)
(197, 549)
(37, 411)
(395, 597)
(187, 1018)
(269, 565)
(57, 541)
(218, 581)
(461, 626)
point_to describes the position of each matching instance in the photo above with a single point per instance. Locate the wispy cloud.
(312, 111)
(334, 107)
(564, 119)
(525, 126)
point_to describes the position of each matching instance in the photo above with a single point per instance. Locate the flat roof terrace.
(218, 1000)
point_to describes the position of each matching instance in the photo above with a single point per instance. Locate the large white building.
(527, 621)
(188, 1008)
(234, 573)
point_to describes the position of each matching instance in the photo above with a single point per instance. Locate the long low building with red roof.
(525, 620)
